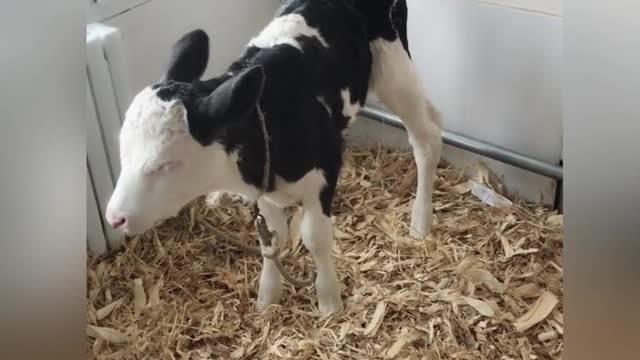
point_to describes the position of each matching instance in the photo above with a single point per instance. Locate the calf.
(303, 77)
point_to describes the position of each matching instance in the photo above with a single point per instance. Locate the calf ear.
(189, 57)
(232, 101)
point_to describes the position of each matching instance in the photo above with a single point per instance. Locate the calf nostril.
(117, 222)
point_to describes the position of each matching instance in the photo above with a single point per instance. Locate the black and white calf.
(308, 71)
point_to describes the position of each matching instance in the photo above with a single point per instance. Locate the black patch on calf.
(377, 14)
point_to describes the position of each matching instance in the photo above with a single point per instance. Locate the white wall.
(150, 29)
(494, 72)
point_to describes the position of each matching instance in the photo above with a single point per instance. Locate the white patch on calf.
(285, 30)
(149, 111)
(149, 123)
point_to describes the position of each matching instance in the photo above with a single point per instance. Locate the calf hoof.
(419, 229)
(264, 301)
(268, 294)
(331, 306)
(418, 234)
(421, 221)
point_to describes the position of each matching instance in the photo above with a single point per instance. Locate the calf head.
(169, 152)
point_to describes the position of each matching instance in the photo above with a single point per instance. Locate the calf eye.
(164, 167)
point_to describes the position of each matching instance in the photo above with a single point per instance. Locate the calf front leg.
(270, 288)
(316, 230)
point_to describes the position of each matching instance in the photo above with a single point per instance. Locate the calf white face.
(167, 153)
(162, 166)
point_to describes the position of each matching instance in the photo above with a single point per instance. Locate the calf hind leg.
(395, 81)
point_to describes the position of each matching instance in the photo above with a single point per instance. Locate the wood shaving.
(403, 339)
(482, 307)
(548, 335)
(106, 334)
(404, 298)
(556, 220)
(107, 309)
(527, 291)
(481, 276)
(538, 311)
(376, 319)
